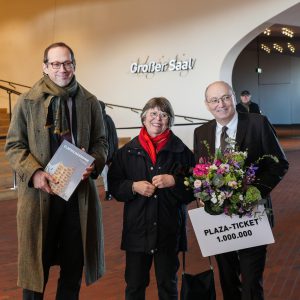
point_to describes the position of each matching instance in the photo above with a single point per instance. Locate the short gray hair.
(162, 104)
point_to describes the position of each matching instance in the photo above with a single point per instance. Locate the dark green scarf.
(56, 116)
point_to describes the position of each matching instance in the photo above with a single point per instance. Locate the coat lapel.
(80, 112)
(241, 129)
(211, 137)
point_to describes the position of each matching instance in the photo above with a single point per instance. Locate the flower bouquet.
(225, 184)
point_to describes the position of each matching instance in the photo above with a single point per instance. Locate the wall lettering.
(151, 67)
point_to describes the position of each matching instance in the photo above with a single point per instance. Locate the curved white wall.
(107, 36)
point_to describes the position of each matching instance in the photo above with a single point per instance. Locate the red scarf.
(153, 145)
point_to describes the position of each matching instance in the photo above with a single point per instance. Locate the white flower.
(213, 167)
(221, 202)
(186, 183)
(221, 198)
(224, 167)
(197, 183)
(240, 172)
(241, 197)
(232, 184)
(214, 199)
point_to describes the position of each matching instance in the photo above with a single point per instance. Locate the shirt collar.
(232, 125)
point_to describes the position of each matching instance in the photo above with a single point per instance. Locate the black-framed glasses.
(68, 65)
(215, 100)
(155, 114)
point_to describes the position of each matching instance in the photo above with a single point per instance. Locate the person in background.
(50, 229)
(246, 105)
(147, 174)
(241, 272)
(112, 140)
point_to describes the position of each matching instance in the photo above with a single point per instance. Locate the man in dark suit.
(246, 105)
(241, 272)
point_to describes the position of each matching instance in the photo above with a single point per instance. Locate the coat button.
(155, 196)
(152, 251)
(151, 168)
(154, 223)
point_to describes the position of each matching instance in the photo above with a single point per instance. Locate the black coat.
(111, 134)
(256, 135)
(253, 108)
(157, 222)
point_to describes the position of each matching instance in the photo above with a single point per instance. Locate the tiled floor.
(282, 273)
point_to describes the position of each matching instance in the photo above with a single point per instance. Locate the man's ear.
(45, 68)
(206, 104)
(234, 99)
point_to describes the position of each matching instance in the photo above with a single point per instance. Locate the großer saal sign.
(222, 233)
(155, 67)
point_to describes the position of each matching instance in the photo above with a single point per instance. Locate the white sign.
(222, 233)
(172, 65)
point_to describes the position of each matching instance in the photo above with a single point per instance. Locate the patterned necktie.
(223, 138)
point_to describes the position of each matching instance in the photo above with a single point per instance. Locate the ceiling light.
(267, 31)
(277, 47)
(291, 47)
(265, 48)
(288, 32)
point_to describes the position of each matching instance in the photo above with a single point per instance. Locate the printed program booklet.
(67, 165)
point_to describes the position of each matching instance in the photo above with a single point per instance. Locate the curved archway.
(289, 17)
(276, 90)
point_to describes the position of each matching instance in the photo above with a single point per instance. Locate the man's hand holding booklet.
(67, 166)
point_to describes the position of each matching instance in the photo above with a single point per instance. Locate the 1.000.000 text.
(234, 236)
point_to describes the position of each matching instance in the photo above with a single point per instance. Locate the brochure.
(67, 165)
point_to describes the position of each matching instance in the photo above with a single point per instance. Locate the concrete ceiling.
(289, 19)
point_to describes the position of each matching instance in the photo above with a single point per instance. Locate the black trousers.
(63, 245)
(241, 273)
(137, 274)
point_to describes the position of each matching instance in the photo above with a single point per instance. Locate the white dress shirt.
(231, 131)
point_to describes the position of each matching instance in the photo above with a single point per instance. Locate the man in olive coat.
(50, 229)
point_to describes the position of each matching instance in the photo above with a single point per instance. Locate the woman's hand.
(143, 188)
(163, 181)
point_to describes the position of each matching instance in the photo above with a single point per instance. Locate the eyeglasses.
(155, 114)
(215, 100)
(68, 65)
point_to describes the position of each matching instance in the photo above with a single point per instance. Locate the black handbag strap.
(183, 262)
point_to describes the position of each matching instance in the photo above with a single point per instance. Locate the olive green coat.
(28, 149)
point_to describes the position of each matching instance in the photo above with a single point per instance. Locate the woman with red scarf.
(147, 174)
